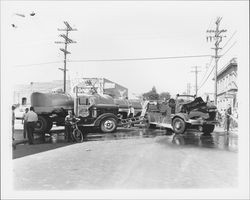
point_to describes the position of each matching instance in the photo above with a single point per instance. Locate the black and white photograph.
(125, 99)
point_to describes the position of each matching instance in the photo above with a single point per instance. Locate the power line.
(45, 63)
(118, 59)
(229, 39)
(217, 36)
(206, 78)
(229, 48)
(138, 59)
(208, 66)
(214, 65)
(66, 41)
(196, 77)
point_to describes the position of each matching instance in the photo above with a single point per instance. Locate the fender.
(105, 115)
(183, 116)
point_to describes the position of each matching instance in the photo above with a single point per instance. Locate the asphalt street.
(129, 159)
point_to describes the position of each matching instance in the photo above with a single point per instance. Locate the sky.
(114, 30)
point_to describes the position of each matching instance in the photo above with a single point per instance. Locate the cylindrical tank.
(47, 102)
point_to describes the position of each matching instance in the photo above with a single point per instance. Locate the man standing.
(131, 112)
(228, 116)
(13, 121)
(25, 122)
(68, 119)
(31, 123)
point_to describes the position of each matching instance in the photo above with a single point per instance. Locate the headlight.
(94, 112)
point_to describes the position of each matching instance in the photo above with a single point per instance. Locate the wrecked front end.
(198, 112)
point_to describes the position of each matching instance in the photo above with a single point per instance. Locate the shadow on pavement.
(39, 146)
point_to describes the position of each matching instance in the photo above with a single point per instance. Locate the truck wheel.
(208, 128)
(43, 124)
(179, 126)
(108, 125)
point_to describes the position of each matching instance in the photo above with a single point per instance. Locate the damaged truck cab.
(184, 112)
(193, 112)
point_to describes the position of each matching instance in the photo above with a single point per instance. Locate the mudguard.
(183, 116)
(103, 116)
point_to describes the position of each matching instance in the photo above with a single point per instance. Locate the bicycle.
(76, 134)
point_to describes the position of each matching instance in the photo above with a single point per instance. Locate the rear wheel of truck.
(108, 125)
(43, 125)
(208, 129)
(179, 125)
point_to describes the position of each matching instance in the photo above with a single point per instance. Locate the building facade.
(227, 88)
(99, 85)
(22, 92)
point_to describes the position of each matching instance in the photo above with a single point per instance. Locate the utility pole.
(188, 88)
(217, 37)
(65, 51)
(196, 78)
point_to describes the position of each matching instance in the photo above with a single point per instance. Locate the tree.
(165, 96)
(151, 95)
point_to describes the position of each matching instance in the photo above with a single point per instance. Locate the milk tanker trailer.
(51, 108)
(94, 110)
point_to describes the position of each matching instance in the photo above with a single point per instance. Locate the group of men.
(30, 119)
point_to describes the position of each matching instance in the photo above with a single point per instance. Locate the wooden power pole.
(217, 37)
(66, 41)
(196, 78)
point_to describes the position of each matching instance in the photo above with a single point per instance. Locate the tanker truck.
(94, 110)
(51, 108)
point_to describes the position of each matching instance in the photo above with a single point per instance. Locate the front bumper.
(201, 122)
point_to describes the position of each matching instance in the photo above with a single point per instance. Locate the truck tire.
(43, 124)
(208, 129)
(108, 125)
(179, 125)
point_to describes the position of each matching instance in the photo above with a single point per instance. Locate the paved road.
(149, 161)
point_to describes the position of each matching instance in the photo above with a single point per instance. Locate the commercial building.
(99, 85)
(85, 85)
(22, 92)
(227, 88)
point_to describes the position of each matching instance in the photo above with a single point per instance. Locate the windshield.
(84, 101)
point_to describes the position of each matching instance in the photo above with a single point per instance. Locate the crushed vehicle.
(94, 110)
(184, 112)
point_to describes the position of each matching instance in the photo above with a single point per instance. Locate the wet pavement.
(134, 158)
(220, 141)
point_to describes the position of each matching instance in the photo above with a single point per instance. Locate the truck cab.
(193, 112)
(96, 111)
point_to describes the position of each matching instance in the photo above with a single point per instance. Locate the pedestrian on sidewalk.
(13, 121)
(228, 117)
(68, 126)
(25, 122)
(31, 123)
